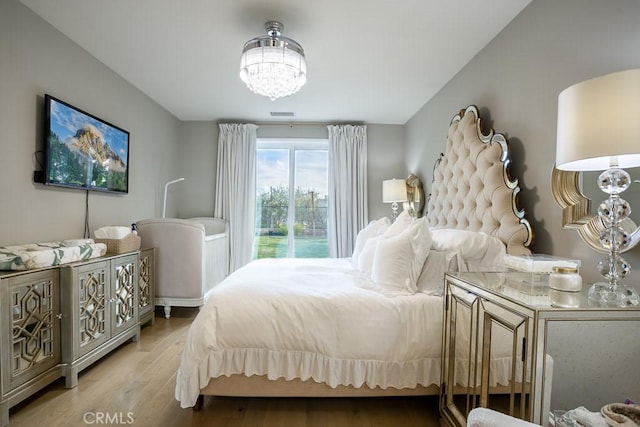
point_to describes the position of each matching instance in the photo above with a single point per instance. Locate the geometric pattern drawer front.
(100, 298)
(33, 322)
(145, 281)
(92, 299)
(125, 293)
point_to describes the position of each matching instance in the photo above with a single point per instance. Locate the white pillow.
(399, 259)
(365, 260)
(399, 225)
(431, 280)
(477, 251)
(374, 228)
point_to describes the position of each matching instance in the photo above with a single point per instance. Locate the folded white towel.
(112, 232)
(583, 417)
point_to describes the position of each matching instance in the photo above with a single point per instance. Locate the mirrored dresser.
(56, 321)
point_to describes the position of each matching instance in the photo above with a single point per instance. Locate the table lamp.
(394, 191)
(599, 129)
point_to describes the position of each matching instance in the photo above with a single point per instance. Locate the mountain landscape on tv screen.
(86, 159)
(84, 151)
(90, 142)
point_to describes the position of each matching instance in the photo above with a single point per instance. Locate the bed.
(369, 325)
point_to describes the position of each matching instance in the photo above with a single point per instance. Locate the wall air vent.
(281, 114)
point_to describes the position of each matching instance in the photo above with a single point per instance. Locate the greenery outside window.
(291, 173)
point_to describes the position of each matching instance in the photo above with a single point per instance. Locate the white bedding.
(263, 320)
(320, 319)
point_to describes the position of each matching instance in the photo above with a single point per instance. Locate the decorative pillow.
(374, 228)
(431, 280)
(399, 225)
(365, 260)
(399, 259)
(476, 251)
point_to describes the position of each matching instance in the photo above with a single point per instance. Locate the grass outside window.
(276, 247)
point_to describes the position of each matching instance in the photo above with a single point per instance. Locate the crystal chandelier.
(273, 65)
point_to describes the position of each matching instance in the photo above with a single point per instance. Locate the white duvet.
(311, 318)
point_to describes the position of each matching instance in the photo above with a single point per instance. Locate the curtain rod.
(291, 124)
(294, 124)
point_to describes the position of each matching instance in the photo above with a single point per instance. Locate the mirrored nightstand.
(504, 344)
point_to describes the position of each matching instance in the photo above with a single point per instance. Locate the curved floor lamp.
(164, 199)
(598, 129)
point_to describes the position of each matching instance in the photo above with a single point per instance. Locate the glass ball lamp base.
(615, 239)
(603, 294)
(394, 209)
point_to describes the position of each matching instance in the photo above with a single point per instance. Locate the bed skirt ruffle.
(334, 372)
(304, 366)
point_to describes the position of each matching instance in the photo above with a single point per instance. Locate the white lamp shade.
(599, 123)
(394, 190)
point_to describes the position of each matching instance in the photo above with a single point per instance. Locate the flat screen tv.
(83, 151)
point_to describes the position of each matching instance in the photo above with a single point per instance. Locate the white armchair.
(191, 258)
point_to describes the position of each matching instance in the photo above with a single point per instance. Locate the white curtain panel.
(347, 187)
(236, 188)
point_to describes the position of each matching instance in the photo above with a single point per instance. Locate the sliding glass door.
(291, 205)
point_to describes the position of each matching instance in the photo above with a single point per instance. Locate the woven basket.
(129, 243)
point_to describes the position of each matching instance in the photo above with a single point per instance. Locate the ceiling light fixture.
(273, 65)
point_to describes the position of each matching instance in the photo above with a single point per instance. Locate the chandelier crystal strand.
(272, 65)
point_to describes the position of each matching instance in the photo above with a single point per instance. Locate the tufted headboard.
(471, 188)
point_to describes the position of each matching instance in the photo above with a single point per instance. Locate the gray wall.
(198, 157)
(515, 81)
(385, 161)
(198, 154)
(36, 59)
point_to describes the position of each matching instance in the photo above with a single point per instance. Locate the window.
(291, 173)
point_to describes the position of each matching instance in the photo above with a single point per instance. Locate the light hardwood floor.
(134, 386)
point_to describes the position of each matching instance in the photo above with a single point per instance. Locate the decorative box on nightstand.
(538, 263)
(534, 270)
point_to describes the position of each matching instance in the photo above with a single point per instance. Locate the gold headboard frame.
(576, 211)
(415, 196)
(471, 186)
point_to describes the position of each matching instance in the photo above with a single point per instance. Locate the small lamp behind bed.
(394, 191)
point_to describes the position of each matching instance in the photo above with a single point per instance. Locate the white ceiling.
(375, 61)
